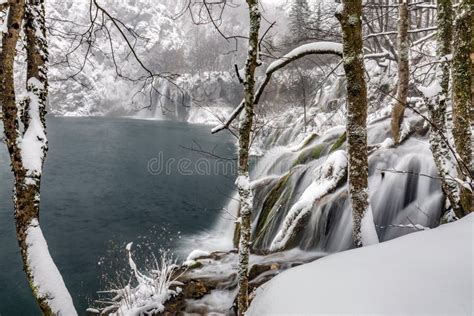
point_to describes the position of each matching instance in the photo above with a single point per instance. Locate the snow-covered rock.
(424, 273)
(196, 253)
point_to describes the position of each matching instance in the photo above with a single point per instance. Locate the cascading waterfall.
(301, 208)
(194, 99)
(399, 200)
(404, 194)
(288, 215)
(170, 104)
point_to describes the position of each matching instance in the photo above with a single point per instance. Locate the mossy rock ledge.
(198, 282)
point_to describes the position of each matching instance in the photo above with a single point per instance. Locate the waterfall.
(193, 99)
(295, 152)
(220, 237)
(399, 200)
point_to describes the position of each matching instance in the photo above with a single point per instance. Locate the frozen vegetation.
(146, 293)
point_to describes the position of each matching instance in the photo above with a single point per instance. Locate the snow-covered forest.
(237, 157)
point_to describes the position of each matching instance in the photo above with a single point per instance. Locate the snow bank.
(429, 272)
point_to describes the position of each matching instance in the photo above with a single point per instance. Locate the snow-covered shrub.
(145, 293)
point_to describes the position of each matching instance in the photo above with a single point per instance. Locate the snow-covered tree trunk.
(349, 14)
(27, 145)
(462, 101)
(243, 180)
(403, 47)
(436, 105)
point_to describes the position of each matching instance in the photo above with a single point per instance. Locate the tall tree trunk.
(437, 107)
(7, 58)
(403, 70)
(349, 16)
(462, 102)
(27, 147)
(243, 180)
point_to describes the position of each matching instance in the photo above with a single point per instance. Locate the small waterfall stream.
(193, 99)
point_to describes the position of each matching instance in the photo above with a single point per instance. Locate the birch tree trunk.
(349, 16)
(403, 70)
(243, 180)
(437, 107)
(27, 146)
(462, 101)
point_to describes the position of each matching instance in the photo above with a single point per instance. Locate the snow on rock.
(306, 140)
(387, 143)
(196, 254)
(47, 280)
(432, 90)
(306, 49)
(424, 273)
(328, 176)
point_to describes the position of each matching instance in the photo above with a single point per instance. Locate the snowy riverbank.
(424, 273)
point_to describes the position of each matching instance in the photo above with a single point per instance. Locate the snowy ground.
(424, 273)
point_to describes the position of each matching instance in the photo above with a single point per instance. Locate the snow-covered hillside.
(84, 77)
(424, 273)
(93, 80)
(88, 80)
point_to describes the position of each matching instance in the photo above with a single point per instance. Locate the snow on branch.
(409, 226)
(427, 29)
(317, 48)
(384, 54)
(297, 53)
(229, 120)
(303, 50)
(427, 6)
(424, 39)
